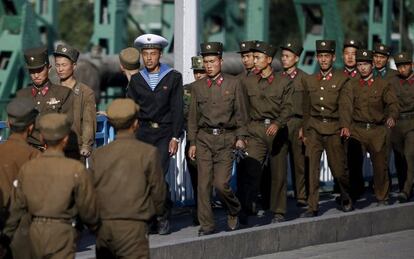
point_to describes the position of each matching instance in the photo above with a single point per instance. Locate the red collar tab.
(350, 73)
(43, 90)
(292, 75)
(270, 78)
(326, 77)
(218, 81)
(256, 71)
(368, 82)
(409, 80)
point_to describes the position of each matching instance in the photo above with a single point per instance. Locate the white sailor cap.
(150, 41)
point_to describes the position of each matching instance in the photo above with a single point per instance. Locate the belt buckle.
(324, 120)
(267, 122)
(154, 125)
(216, 132)
(368, 126)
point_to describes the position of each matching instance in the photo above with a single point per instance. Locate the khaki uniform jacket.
(128, 178)
(84, 115)
(321, 101)
(223, 106)
(269, 98)
(404, 90)
(389, 74)
(53, 186)
(367, 104)
(55, 98)
(14, 153)
(297, 97)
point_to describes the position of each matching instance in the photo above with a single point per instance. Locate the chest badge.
(334, 86)
(165, 87)
(53, 101)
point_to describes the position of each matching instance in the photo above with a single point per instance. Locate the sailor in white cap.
(158, 90)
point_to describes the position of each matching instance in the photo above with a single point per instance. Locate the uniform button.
(38, 102)
(321, 98)
(322, 108)
(323, 78)
(322, 88)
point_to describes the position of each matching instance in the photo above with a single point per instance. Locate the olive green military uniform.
(14, 153)
(84, 107)
(128, 193)
(49, 97)
(217, 117)
(53, 190)
(385, 73)
(321, 108)
(366, 102)
(402, 136)
(245, 47)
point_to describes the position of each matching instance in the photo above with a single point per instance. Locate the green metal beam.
(47, 21)
(380, 21)
(257, 20)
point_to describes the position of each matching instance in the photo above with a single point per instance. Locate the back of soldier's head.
(21, 113)
(122, 113)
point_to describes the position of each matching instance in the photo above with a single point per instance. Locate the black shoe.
(278, 218)
(402, 197)
(347, 206)
(232, 222)
(301, 203)
(309, 214)
(202, 232)
(382, 203)
(163, 226)
(243, 218)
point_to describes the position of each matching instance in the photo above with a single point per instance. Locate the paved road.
(388, 246)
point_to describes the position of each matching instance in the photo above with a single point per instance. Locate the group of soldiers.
(259, 117)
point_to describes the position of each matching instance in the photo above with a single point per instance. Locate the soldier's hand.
(192, 152)
(272, 129)
(240, 144)
(85, 152)
(300, 134)
(345, 132)
(390, 122)
(173, 147)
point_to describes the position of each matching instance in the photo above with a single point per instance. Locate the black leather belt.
(325, 119)
(52, 220)
(266, 122)
(216, 131)
(367, 125)
(152, 124)
(297, 116)
(406, 116)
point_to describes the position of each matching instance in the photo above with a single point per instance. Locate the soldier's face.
(325, 60)
(247, 60)
(261, 61)
(39, 76)
(199, 74)
(349, 56)
(364, 68)
(405, 70)
(289, 59)
(212, 64)
(64, 67)
(380, 60)
(151, 58)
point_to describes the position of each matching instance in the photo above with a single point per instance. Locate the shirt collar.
(218, 81)
(366, 81)
(325, 75)
(53, 152)
(350, 72)
(125, 134)
(409, 80)
(43, 89)
(17, 138)
(269, 79)
(292, 74)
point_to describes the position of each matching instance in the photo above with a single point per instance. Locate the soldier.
(216, 125)
(381, 56)
(300, 166)
(365, 101)
(354, 153)
(53, 189)
(269, 96)
(84, 107)
(47, 96)
(14, 153)
(321, 110)
(129, 62)
(199, 72)
(158, 90)
(402, 135)
(128, 193)
(247, 58)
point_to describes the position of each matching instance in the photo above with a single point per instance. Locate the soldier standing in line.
(321, 110)
(199, 73)
(14, 153)
(84, 106)
(270, 107)
(158, 90)
(128, 193)
(216, 125)
(364, 118)
(402, 135)
(53, 189)
(381, 56)
(348, 55)
(46, 96)
(247, 58)
(291, 52)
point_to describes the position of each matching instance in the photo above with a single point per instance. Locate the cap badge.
(208, 46)
(364, 53)
(243, 45)
(148, 39)
(333, 86)
(199, 61)
(64, 49)
(258, 45)
(352, 42)
(289, 44)
(401, 56)
(32, 58)
(323, 43)
(381, 47)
